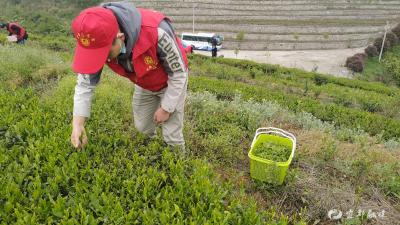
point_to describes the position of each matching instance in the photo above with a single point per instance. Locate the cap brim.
(89, 61)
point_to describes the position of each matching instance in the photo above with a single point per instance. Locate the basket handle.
(267, 130)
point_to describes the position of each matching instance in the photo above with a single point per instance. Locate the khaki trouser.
(145, 103)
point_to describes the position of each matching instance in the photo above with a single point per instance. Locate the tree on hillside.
(239, 39)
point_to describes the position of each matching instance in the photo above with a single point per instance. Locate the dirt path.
(324, 61)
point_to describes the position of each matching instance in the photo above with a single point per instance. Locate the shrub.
(371, 51)
(3, 40)
(363, 56)
(254, 72)
(392, 64)
(56, 43)
(329, 150)
(320, 80)
(355, 63)
(392, 39)
(371, 106)
(396, 30)
(378, 44)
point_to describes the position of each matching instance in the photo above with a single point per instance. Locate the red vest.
(148, 70)
(21, 33)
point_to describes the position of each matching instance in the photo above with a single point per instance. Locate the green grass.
(373, 70)
(376, 71)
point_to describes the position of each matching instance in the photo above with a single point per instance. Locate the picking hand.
(78, 137)
(160, 116)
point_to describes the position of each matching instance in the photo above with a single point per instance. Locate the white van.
(201, 41)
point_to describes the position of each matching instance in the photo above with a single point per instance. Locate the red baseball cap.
(94, 29)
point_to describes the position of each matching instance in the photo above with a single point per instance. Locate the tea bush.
(392, 65)
(117, 178)
(392, 38)
(341, 116)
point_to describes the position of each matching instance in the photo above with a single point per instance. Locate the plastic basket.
(267, 170)
(12, 38)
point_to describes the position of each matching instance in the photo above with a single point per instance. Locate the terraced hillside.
(283, 24)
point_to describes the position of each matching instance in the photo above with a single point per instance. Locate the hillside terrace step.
(306, 11)
(269, 46)
(267, 40)
(275, 29)
(211, 12)
(271, 7)
(299, 37)
(277, 2)
(372, 19)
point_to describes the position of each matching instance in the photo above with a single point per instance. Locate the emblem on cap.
(150, 63)
(85, 40)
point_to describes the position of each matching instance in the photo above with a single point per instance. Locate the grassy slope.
(376, 71)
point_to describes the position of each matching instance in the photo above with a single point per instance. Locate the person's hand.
(160, 116)
(78, 137)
